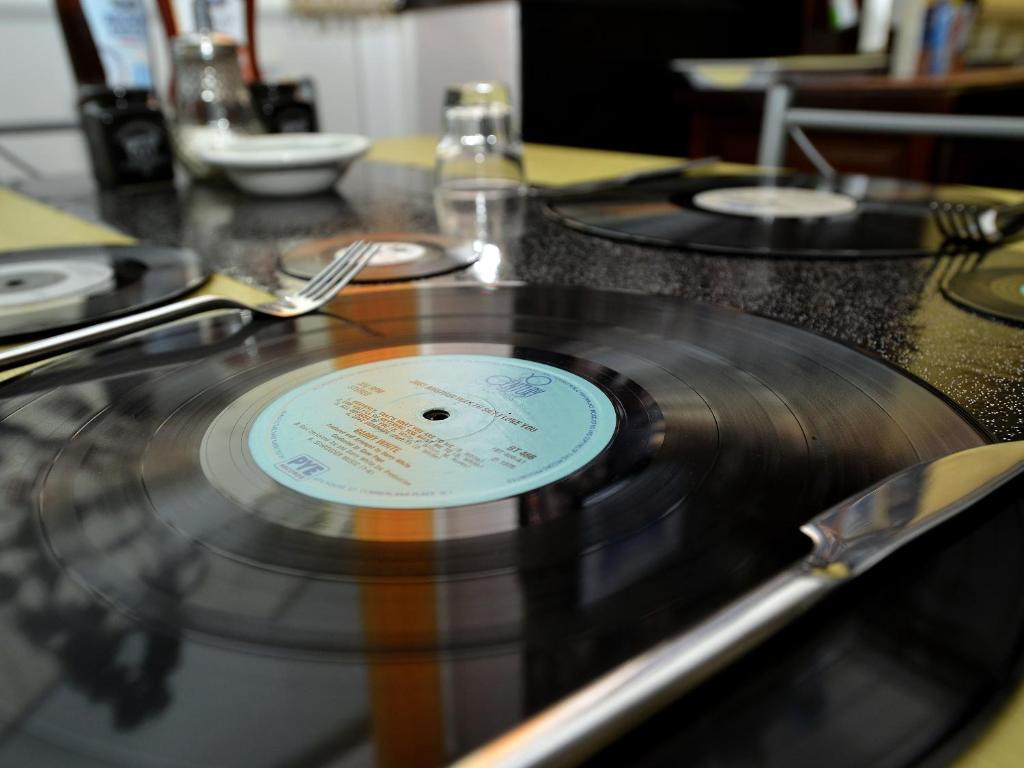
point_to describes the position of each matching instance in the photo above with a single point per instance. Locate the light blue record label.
(432, 431)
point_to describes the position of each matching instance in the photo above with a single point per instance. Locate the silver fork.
(978, 224)
(320, 289)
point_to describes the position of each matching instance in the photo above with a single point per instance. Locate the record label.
(432, 431)
(390, 254)
(29, 283)
(775, 202)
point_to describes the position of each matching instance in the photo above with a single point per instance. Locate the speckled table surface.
(893, 308)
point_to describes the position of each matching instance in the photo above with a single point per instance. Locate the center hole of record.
(436, 414)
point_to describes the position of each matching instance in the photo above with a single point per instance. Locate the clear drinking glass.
(479, 179)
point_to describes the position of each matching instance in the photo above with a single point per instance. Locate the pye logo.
(524, 386)
(301, 467)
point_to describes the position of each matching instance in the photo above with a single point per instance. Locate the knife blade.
(847, 540)
(586, 187)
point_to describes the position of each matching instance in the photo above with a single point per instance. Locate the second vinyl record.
(387, 536)
(768, 215)
(400, 256)
(995, 292)
(48, 289)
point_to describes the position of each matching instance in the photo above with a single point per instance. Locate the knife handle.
(582, 723)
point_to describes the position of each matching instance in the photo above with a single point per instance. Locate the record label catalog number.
(432, 430)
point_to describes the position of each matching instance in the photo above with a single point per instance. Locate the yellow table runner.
(25, 223)
(545, 164)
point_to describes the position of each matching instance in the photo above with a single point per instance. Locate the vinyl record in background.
(48, 289)
(995, 292)
(401, 256)
(796, 215)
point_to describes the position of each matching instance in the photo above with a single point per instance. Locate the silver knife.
(848, 539)
(586, 187)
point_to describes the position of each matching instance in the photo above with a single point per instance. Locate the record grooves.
(180, 563)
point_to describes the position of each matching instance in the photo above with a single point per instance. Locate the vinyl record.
(385, 537)
(789, 215)
(47, 289)
(994, 292)
(401, 256)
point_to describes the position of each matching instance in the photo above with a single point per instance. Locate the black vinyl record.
(787, 215)
(994, 292)
(400, 256)
(174, 591)
(47, 289)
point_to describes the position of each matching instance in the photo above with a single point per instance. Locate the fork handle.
(111, 329)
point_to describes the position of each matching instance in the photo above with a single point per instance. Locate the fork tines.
(965, 223)
(351, 261)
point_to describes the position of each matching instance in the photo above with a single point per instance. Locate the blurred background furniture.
(727, 123)
(689, 77)
(587, 73)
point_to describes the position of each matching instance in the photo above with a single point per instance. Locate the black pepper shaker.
(127, 136)
(285, 107)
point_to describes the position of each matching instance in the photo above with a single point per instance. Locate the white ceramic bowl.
(286, 164)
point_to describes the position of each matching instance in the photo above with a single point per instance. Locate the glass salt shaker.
(212, 102)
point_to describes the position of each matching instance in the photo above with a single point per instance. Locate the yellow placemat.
(545, 164)
(1002, 744)
(25, 223)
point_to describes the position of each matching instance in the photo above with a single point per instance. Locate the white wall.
(35, 85)
(471, 42)
(380, 76)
